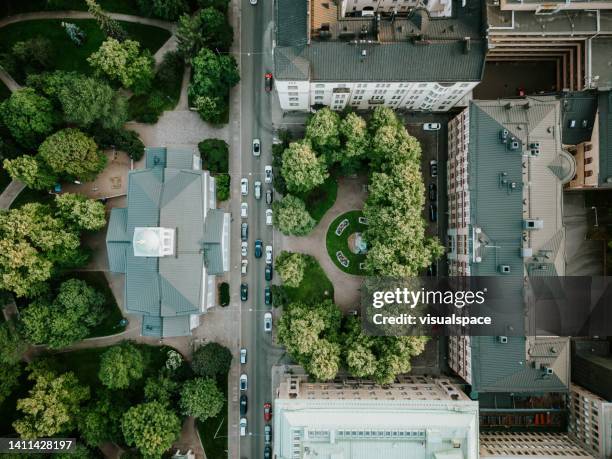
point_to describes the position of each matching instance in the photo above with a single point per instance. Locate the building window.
(293, 104)
(293, 94)
(588, 173)
(319, 85)
(292, 87)
(319, 92)
(294, 99)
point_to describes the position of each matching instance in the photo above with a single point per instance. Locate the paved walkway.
(10, 193)
(8, 81)
(351, 196)
(190, 439)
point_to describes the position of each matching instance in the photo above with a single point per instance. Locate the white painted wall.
(436, 8)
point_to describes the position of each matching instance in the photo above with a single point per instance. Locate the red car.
(269, 80)
(267, 411)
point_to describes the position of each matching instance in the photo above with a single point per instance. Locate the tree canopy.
(208, 28)
(79, 212)
(32, 171)
(100, 420)
(28, 116)
(120, 365)
(211, 360)
(169, 10)
(290, 267)
(291, 217)
(201, 398)
(301, 168)
(323, 132)
(151, 427)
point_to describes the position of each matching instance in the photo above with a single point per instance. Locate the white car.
(244, 186)
(243, 248)
(256, 143)
(257, 189)
(269, 217)
(244, 382)
(243, 268)
(431, 127)
(244, 210)
(243, 356)
(268, 174)
(243, 427)
(268, 254)
(268, 322)
(253, 2)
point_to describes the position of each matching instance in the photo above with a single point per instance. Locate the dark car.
(244, 231)
(268, 452)
(244, 292)
(267, 411)
(243, 404)
(258, 248)
(268, 296)
(433, 212)
(433, 192)
(269, 272)
(269, 197)
(269, 80)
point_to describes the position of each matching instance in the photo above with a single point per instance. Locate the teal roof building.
(170, 242)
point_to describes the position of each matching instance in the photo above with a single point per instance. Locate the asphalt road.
(256, 122)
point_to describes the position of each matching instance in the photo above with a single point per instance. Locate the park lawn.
(69, 56)
(335, 243)
(315, 285)
(10, 7)
(213, 431)
(110, 324)
(29, 195)
(320, 200)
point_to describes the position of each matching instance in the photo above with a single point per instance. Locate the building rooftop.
(579, 110)
(412, 48)
(535, 445)
(169, 242)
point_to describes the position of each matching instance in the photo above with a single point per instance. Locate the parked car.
(433, 168)
(268, 296)
(244, 264)
(269, 196)
(269, 81)
(244, 248)
(257, 189)
(268, 174)
(433, 192)
(268, 322)
(431, 127)
(269, 271)
(243, 404)
(267, 411)
(253, 2)
(258, 248)
(244, 383)
(256, 147)
(268, 452)
(244, 231)
(244, 186)
(243, 356)
(433, 212)
(268, 254)
(244, 292)
(269, 215)
(243, 427)
(244, 210)
(268, 434)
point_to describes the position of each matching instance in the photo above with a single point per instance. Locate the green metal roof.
(179, 159)
(151, 326)
(155, 157)
(175, 326)
(291, 22)
(117, 240)
(605, 139)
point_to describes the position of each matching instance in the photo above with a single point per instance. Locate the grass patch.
(69, 56)
(335, 243)
(320, 200)
(110, 324)
(10, 7)
(29, 195)
(315, 285)
(213, 431)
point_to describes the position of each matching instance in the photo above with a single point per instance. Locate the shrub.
(223, 187)
(122, 139)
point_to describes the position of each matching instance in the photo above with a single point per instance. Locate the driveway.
(351, 196)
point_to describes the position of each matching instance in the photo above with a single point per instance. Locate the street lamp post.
(596, 221)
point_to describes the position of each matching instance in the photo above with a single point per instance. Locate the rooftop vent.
(503, 135)
(513, 144)
(504, 269)
(502, 339)
(364, 53)
(533, 223)
(466, 45)
(546, 369)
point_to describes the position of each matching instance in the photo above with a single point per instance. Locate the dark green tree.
(100, 420)
(201, 398)
(211, 360)
(151, 427)
(215, 155)
(120, 365)
(208, 28)
(28, 116)
(169, 10)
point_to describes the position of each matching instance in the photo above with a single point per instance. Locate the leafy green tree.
(28, 116)
(52, 407)
(85, 100)
(221, 5)
(324, 362)
(215, 155)
(68, 318)
(100, 420)
(208, 28)
(322, 131)
(12, 344)
(34, 55)
(151, 427)
(108, 25)
(291, 217)
(211, 360)
(71, 153)
(122, 139)
(290, 267)
(78, 211)
(201, 398)
(120, 365)
(301, 168)
(223, 187)
(169, 10)
(125, 63)
(9, 379)
(161, 388)
(32, 171)
(382, 116)
(355, 140)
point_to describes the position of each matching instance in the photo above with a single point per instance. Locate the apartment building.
(417, 416)
(590, 421)
(575, 34)
(435, 8)
(409, 60)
